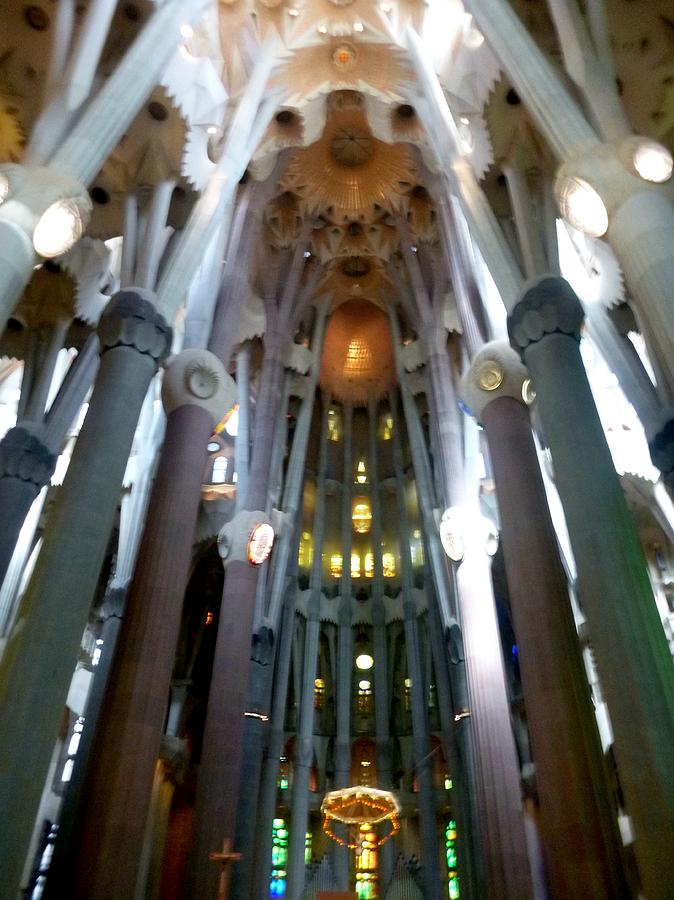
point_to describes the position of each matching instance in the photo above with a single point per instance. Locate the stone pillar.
(382, 694)
(26, 465)
(304, 752)
(64, 860)
(220, 767)
(631, 651)
(452, 642)
(242, 443)
(270, 769)
(28, 452)
(430, 851)
(497, 770)
(344, 668)
(118, 788)
(577, 813)
(35, 670)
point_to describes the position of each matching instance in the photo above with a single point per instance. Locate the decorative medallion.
(490, 375)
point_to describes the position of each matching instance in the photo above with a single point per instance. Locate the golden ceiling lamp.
(360, 805)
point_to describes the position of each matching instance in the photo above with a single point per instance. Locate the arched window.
(279, 858)
(219, 474)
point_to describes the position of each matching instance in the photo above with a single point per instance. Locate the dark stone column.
(222, 753)
(111, 826)
(631, 651)
(26, 465)
(40, 656)
(578, 815)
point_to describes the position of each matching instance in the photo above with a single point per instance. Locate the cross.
(224, 857)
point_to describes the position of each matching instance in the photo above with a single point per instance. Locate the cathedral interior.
(337, 449)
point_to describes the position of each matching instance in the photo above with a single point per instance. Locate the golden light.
(59, 228)
(260, 543)
(361, 516)
(336, 565)
(360, 806)
(581, 206)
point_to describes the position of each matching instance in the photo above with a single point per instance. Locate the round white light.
(4, 187)
(364, 685)
(451, 534)
(357, 26)
(59, 228)
(364, 662)
(260, 542)
(187, 32)
(581, 206)
(653, 162)
(528, 391)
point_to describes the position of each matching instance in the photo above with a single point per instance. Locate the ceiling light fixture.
(581, 206)
(59, 228)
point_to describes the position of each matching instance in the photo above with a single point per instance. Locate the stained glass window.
(279, 858)
(450, 852)
(366, 865)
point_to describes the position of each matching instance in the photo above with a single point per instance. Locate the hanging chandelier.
(356, 806)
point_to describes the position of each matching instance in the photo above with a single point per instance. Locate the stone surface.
(548, 305)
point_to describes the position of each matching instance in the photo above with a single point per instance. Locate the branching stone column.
(28, 452)
(578, 816)
(305, 734)
(112, 822)
(343, 688)
(382, 694)
(497, 771)
(80, 156)
(640, 214)
(36, 668)
(631, 651)
(430, 851)
(222, 753)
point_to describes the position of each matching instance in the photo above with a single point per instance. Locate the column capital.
(198, 378)
(548, 305)
(661, 447)
(496, 371)
(27, 192)
(131, 320)
(25, 456)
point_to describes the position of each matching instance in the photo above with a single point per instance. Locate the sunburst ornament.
(349, 169)
(360, 805)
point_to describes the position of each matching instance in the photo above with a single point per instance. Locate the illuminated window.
(209, 618)
(336, 565)
(408, 694)
(358, 357)
(306, 552)
(279, 858)
(450, 853)
(364, 698)
(219, 470)
(355, 565)
(449, 784)
(386, 427)
(73, 745)
(361, 472)
(283, 773)
(366, 864)
(389, 565)
(417, 549)
(369, 565)
(307, 848)
(319, 693)
(334, 425)
(361, 516)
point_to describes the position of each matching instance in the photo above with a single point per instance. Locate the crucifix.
(224, 857)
